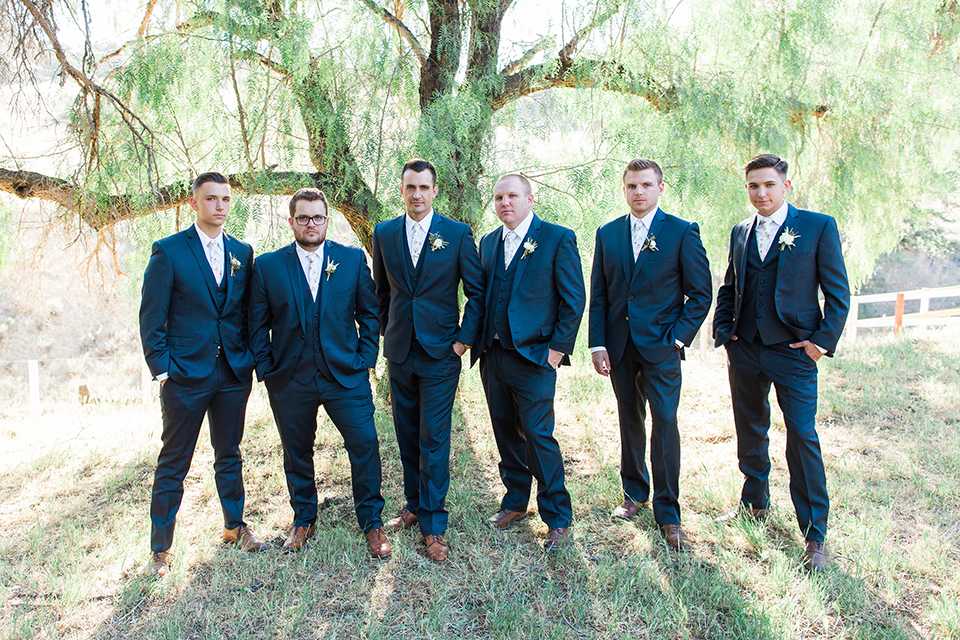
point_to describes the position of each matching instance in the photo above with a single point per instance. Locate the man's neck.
(644, 215)
(211, 231)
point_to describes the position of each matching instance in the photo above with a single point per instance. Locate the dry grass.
(74, 494)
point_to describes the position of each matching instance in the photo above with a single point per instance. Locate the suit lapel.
(402, 251)
(295, 271)
(426, 254)
(741, 245)
(533, 233)
(654, 231)
(229, 247)
(488, 256)
(625, 246)
(791, 220)
(329, 254)
(196, 247)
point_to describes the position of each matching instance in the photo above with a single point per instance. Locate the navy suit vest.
(498, 323)
(758, 308)
(414, 272)
(312, 360)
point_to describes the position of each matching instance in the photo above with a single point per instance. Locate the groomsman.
(534, 300)
(419, 261)
(313, 331)
(769, 319)
(650, 291)
(193, 326)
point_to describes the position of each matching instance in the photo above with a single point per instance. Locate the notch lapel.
(792, 216)
(533, 233)
(328, 254)
(400, 239)
(196, 247)
(295, 271)
(655, 225)
(625, 246)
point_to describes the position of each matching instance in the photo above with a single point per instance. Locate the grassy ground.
(74, 495)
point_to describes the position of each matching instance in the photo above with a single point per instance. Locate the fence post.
(33, 373)
(898, 316)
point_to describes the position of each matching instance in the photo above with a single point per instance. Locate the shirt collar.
(779, 216)
(303, 253)
(646, 220)
(205, 239)
(424, 223)
(521, 229)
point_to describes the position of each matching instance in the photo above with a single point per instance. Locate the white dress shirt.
(424, 225)
(521, 231)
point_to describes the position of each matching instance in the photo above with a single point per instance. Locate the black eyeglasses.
(305, 220)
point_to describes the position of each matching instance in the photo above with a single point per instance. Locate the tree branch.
(516, 65)
(146, 18)
(584, 74)
(401, 28)
(103, 212)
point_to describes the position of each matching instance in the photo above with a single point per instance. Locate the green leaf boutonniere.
(235, 265)
(436, 242)
(788, 239)
(529, 246)
(331, 268)
(650, 244)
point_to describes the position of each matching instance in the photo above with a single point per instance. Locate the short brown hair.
(767, 161)
(418, 165)
(639, 164)
(528, 188)
(209, 176)
(308, 194)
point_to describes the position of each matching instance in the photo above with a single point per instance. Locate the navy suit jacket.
(432, 308)
(663, 298)
(548, 296)
(347, 316)
(814, 263)
(180, 324)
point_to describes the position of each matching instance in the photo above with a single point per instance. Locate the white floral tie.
(416, 244)
(313, 274)
(639, 235)
(216, 261)
(766, 228)
(510, 245)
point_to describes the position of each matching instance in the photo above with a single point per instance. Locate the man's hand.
(601, 362)
(459, 348)
(811, 349)
(554, 358)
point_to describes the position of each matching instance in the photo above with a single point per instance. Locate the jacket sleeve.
(832, 277)
(597, 329)
(365, 312)
(259, 319)
(696, 283)
(726, 299)
(568, 278)
(155, 297)
(472, 276)
(381, 283)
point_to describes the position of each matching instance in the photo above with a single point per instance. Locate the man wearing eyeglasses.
(314, 336)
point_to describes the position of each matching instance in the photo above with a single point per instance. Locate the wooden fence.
(899, 319)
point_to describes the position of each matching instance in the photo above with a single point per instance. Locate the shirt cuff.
(819, 348)
(162, 376)
(595, 349)
(679, 344)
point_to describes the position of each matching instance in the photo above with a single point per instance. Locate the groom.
(769, 319)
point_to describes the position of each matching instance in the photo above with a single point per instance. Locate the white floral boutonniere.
(235, 265)
(331, 268)
(529, 246)
(436, 242)
(788, 239)
(650, 244)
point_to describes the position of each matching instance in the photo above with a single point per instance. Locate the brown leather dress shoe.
(504, 518)
(557, 538)
(628, 510)
(243, 537)
(437, 548)
(405, 520)
(750, 512)
(814, 556)
(159, 564)
(298, 537)
(675, 537)
(377, 542)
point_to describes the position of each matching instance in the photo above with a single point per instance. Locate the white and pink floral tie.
(639, 236)
(216, 261)
(313, 274)
(416, 244)
(766, 228)
(510, 245)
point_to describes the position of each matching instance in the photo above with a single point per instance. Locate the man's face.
(419, 191)
(766, 190)
(307, 231)
(511, 202)
(642, 189)
(211, 201)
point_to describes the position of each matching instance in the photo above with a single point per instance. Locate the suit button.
(762, 269)
(414, 299)
(303, 338)
(761, 304)
(627, 318)
(630, 298)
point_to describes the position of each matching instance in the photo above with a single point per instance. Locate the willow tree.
(287, 93)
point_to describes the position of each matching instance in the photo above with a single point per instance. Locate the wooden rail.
(900, 319)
